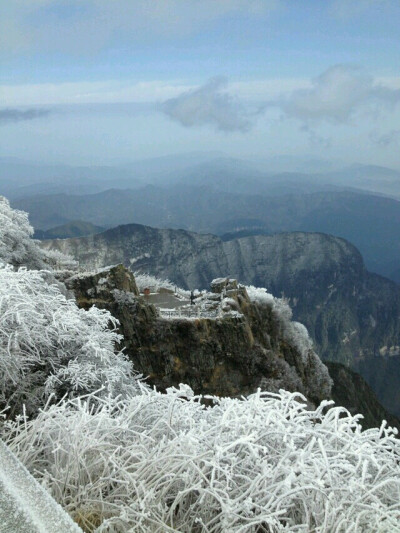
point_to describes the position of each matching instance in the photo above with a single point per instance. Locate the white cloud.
(337, 95)
(386, 140)
(259, 91)
(107, 92)
(79, 27)
(209, 104)
(254, 92)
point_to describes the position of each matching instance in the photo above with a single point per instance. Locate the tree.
(16, 245)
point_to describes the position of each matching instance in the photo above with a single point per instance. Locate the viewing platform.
(204, 304)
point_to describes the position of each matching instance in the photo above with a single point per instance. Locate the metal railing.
(188, 312)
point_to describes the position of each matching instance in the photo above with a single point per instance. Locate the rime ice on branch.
(50, 346)
(165, 462)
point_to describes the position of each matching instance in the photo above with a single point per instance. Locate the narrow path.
(25, 506)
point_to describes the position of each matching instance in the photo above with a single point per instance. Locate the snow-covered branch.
(50, 346)
(165, 462)
(17, 247)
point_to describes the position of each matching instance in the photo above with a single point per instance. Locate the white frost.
(49, 345)
(165, 462)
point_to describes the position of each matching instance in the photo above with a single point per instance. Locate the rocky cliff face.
(231, 355)
(352, 315)
(234, 353)
(353, 392)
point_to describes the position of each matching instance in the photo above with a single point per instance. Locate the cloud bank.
(337, 95)
(386, 140)
(17, 115)
(208, 105)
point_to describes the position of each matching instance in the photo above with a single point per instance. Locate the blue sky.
(103, 81)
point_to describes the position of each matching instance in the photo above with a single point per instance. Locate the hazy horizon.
(273, 164)
(103, 83)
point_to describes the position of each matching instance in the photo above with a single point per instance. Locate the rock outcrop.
(231, 354)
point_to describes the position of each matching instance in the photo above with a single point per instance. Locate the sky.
(99, 82)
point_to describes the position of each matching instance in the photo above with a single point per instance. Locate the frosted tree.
(297, 335)
(16, 244)
(50, 346)
(17, 247)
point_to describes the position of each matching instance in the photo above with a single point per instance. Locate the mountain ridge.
(370, 222)
(351, 314)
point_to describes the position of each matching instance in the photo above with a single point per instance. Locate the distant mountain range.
(20, 179)
(207, 192)
(76, 228)
(274, 175)
(352, 315)
(370, 222)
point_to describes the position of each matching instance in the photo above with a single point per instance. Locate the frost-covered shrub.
(166, 463)
(153, 283)
(292, 331)
(49, 345)
(279, 306)
(56, 260)
(16, 245)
